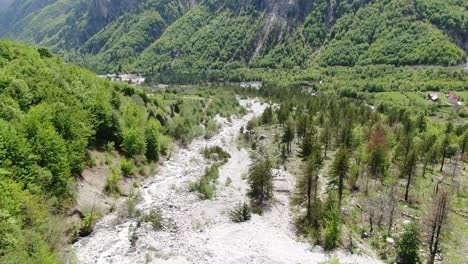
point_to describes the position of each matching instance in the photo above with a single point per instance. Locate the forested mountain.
(113, 30)
(183, 36)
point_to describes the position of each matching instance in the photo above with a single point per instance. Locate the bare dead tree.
(392, 201)
(437, 221)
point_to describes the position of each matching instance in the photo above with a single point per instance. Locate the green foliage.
(339, 170)
(260, 182)
(24, 221)
(127, 167)
(333, 224)
(240, 213)
(408, 245)
(173, 41)
(205, 186)
(87, 225)
(153, 144)
(211, 128)
(155, 218)
(216, 153)
(112, 181)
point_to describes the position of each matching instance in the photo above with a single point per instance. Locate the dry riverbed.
(203, 232)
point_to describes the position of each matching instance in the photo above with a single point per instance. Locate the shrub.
(408, 245)
(110, 147)
(240, 213)
(92, 162)
(212, 127)
(205, 186)
(216, 153)
(205, 189)
(88, 223)
(155, 218)
(164, 144)
(112, 181)
(129, 207)
(127, 166)
(333, 228)
(257, 210)
(228, 181)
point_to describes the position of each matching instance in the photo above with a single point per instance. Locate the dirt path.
(204, 233)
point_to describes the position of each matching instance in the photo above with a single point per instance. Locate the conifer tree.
(311, 170)
(408, 170)
(260, 182)
(288, 135)
(339, 171)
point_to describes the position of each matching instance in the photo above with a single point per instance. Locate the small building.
(453, 98)
(433, 97)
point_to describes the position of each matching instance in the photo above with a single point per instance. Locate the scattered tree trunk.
(439, 218)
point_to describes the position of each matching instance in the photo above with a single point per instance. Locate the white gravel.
(204, 233)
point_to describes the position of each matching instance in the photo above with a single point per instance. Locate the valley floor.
(203, 232)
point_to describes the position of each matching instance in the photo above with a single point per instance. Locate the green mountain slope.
(50, 113)
(116, 30)
(180, 36)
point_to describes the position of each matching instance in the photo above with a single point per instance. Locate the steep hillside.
(51, 114)
(182, 37)
(117, 30)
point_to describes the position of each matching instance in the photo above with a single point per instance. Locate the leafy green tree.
(133, 141)
(283, 114)
(267, 116)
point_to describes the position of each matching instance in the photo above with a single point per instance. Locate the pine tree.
(339, 171)
(325, 138)
(409, 167)
(305, 149)
(288, 135)
(303, 125)
(311, 170)
(443, 150)
(332, 226)
(377, 156)
(260, 182)
(283, 114)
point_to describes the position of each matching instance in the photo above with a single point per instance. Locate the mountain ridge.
(154, 36)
